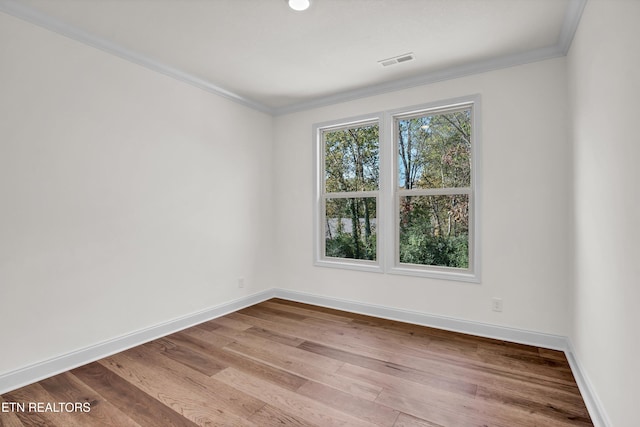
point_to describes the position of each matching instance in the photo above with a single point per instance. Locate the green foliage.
(351, 159)
(342, 245)
(420, 246)
(431, 233)
(434, 152)
(351, 164)
(350, 228)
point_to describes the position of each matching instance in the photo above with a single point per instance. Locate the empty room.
(319, 213)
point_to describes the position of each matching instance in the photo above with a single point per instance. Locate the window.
(349, 193)
(403, 202)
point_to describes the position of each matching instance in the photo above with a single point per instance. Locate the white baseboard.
(48, 368)
(38, 371)
(589, 395)
(555, 342)
(538, 339)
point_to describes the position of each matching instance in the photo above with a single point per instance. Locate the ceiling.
(265, 55)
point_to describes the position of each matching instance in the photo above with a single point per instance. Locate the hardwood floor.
(281, 363)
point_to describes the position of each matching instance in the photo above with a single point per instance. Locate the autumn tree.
(351, 166)
(434, 152)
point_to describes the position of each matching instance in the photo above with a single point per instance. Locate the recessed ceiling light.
(299, 5)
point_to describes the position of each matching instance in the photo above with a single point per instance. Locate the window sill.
(369, 266)
(443, 274)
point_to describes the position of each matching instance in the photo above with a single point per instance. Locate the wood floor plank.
(235, 360)
(275, 336)
(187, 356)
(320, 309)
(432, 377)
(137, 404)
(307, 371)
(283, 363)
(298, 405)
(207, 326)
(425, 409)
(439, 406)
(551, 354)
(394, 387)
(553, 409)
(457, 367)
(290, 353)
(8, 417)
(275, 312)
(358, 407)
(307, 312)
(359, 336)
(269, 416)
(32, 393)
(192, 394)
(67, 388)
(338, 338)
(230, 322)
(405, 420)
(204, 335)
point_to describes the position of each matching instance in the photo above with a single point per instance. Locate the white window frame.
(391, 215)
(321, 195)
(388, 194)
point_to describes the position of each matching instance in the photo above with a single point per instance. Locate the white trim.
(569, 27)
(435, 191)
(594, 405)
(47, 368)
(570, 24)
(26, 13)
(56, 365)
(320, 196)
(435, 272)
(538, 339)
(387, 258)
(352, 194)
(425, 79)
(350, 264)
(471, 274)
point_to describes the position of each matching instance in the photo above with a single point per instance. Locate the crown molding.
(26, 13)
(571, 20)
(426, 78)
(570, 24)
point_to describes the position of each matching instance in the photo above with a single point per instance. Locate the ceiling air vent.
(397, 59)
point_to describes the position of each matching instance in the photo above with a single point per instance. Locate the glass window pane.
(351, 159)
(350, 228)
(434, 151)
(434, 230)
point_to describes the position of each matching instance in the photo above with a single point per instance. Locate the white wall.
(526, 197)
(127, 198)
(604, 85)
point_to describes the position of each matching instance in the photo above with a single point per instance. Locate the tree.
(434, 152)
(351, 165)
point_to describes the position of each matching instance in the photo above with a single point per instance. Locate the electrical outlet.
(241, 282)
(496, 304)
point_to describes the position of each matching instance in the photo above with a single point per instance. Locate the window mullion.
(350, 194)
(434, 191)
